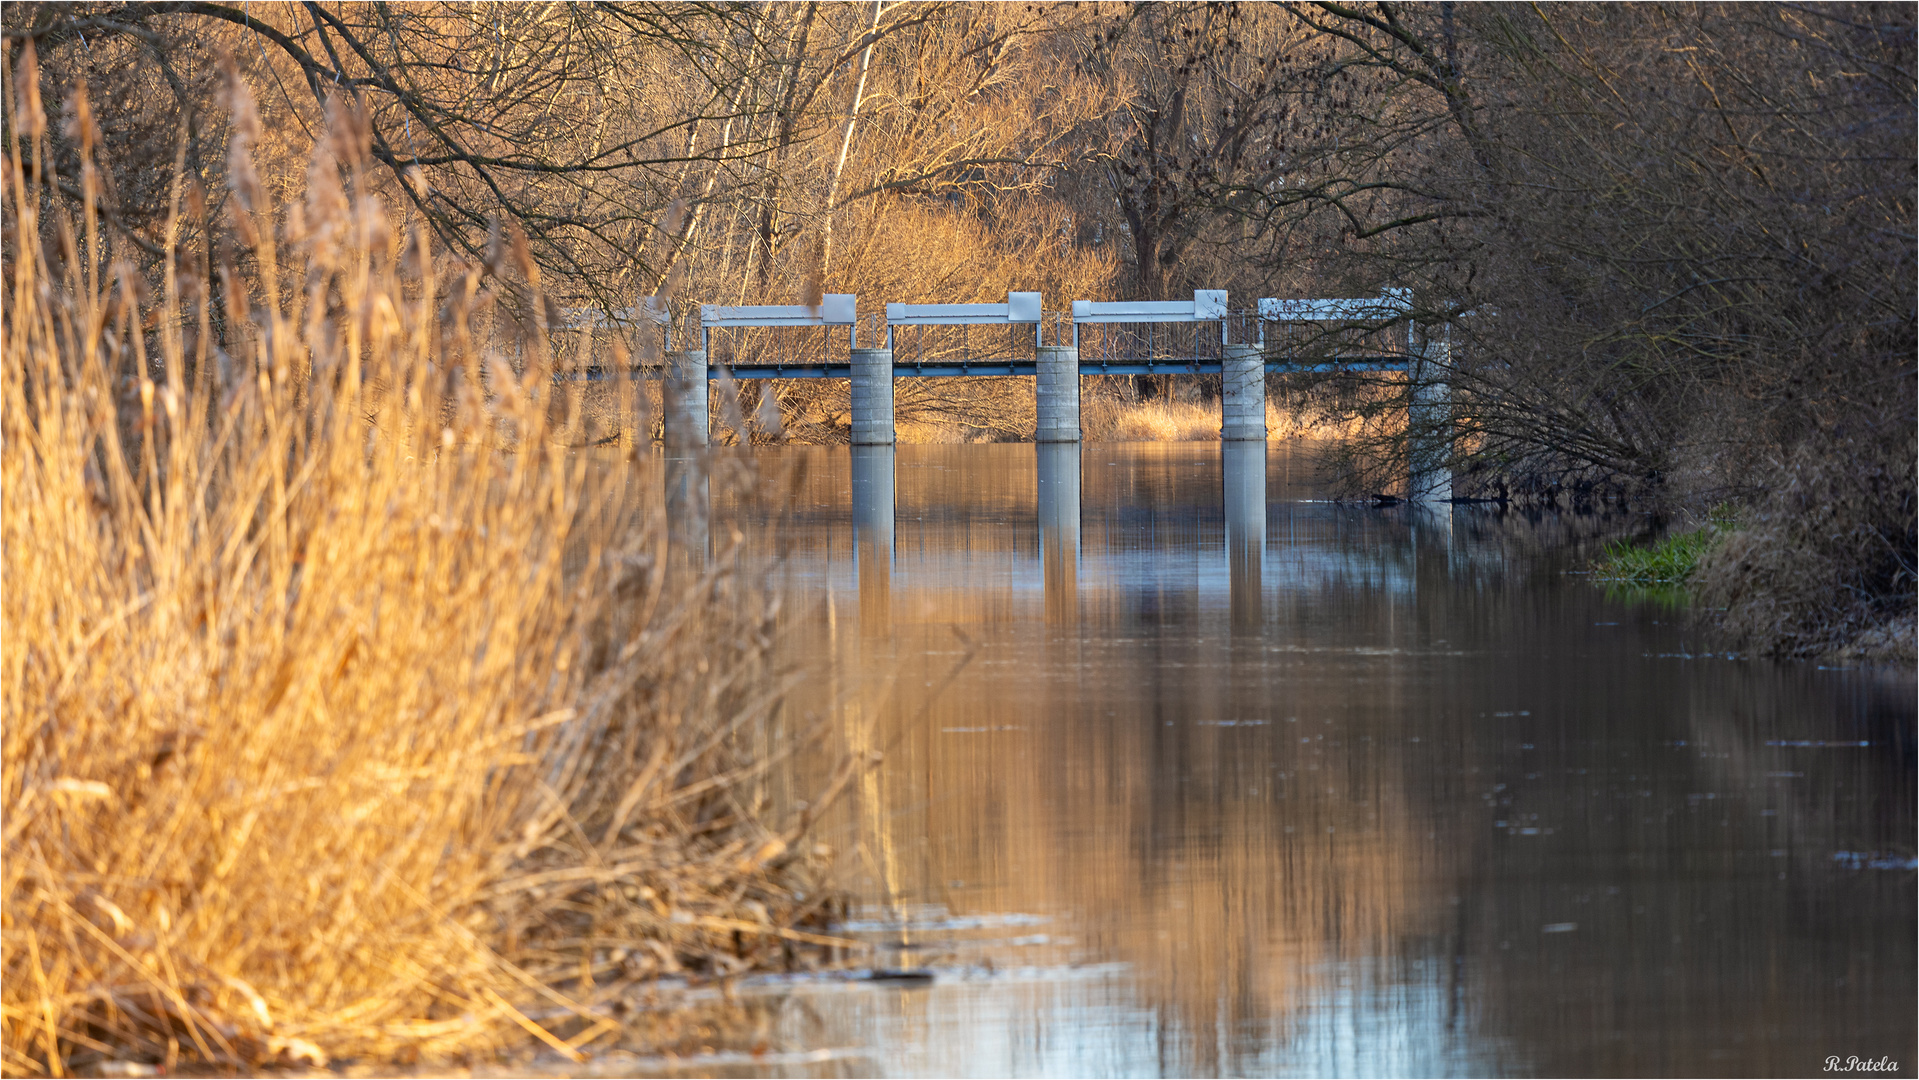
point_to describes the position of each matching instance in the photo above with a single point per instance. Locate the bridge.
(1203, 336)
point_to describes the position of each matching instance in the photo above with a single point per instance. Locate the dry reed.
(346, 715)
(1107, 414)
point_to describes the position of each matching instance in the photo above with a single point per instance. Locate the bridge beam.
(1242, 397)
(1056, 390)
(872, 379)
(684, 395)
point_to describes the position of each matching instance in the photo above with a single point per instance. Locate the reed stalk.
(347, 715)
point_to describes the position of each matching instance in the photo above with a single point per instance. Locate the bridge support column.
(684, 396)
(1429, 420)
(1056, 391)
(1242, 394)
(872, 397)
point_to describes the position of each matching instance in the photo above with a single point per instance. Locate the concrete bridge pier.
(684, 396)
(1056, 390)
(873, 397)
(1242, 393)
(1429, 418)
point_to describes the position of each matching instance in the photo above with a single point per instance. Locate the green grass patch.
(1667, 564)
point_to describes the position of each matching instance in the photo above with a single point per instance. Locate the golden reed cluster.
(346, 714)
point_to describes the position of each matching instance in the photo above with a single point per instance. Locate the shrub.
(1826, 561)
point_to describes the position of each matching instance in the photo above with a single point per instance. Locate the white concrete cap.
(839, 309)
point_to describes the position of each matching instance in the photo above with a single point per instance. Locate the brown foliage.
(1673, 249)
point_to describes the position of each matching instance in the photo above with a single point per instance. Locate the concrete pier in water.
(1056, 394)
(872, 380)
(1242, 393)
(684, 396)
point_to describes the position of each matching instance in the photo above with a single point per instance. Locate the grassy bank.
(1669, 563)
(332, 728)
(1770, 586)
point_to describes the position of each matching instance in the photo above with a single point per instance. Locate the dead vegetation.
(346, 715)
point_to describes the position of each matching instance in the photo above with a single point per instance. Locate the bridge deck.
(953, 369)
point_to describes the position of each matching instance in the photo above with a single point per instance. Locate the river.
(1188, 770)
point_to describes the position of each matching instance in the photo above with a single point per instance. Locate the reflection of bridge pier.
(1432, 552)
(873, 532)
(1243, 473)
(689, 504)
(1059, 529)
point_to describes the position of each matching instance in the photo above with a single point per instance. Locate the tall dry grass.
(1109, 414)
(345, 714)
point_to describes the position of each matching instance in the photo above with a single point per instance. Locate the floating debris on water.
(939, 921)
(1874, 860)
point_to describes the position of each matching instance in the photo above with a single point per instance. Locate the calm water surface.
(1188, 771)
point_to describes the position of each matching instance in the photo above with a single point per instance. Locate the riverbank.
(1711, 566)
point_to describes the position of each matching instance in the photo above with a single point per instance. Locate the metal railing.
(781, 340)
(581, 347)
(943, 340)
(966, 339)
(1369, 333)
(1142, 337)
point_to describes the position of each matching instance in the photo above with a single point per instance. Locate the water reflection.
(1243, 471)
(1220, 778)
(872, 468)
(1058, 498)
(688, 498)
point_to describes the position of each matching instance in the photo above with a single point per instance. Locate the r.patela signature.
(1834, 1063)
